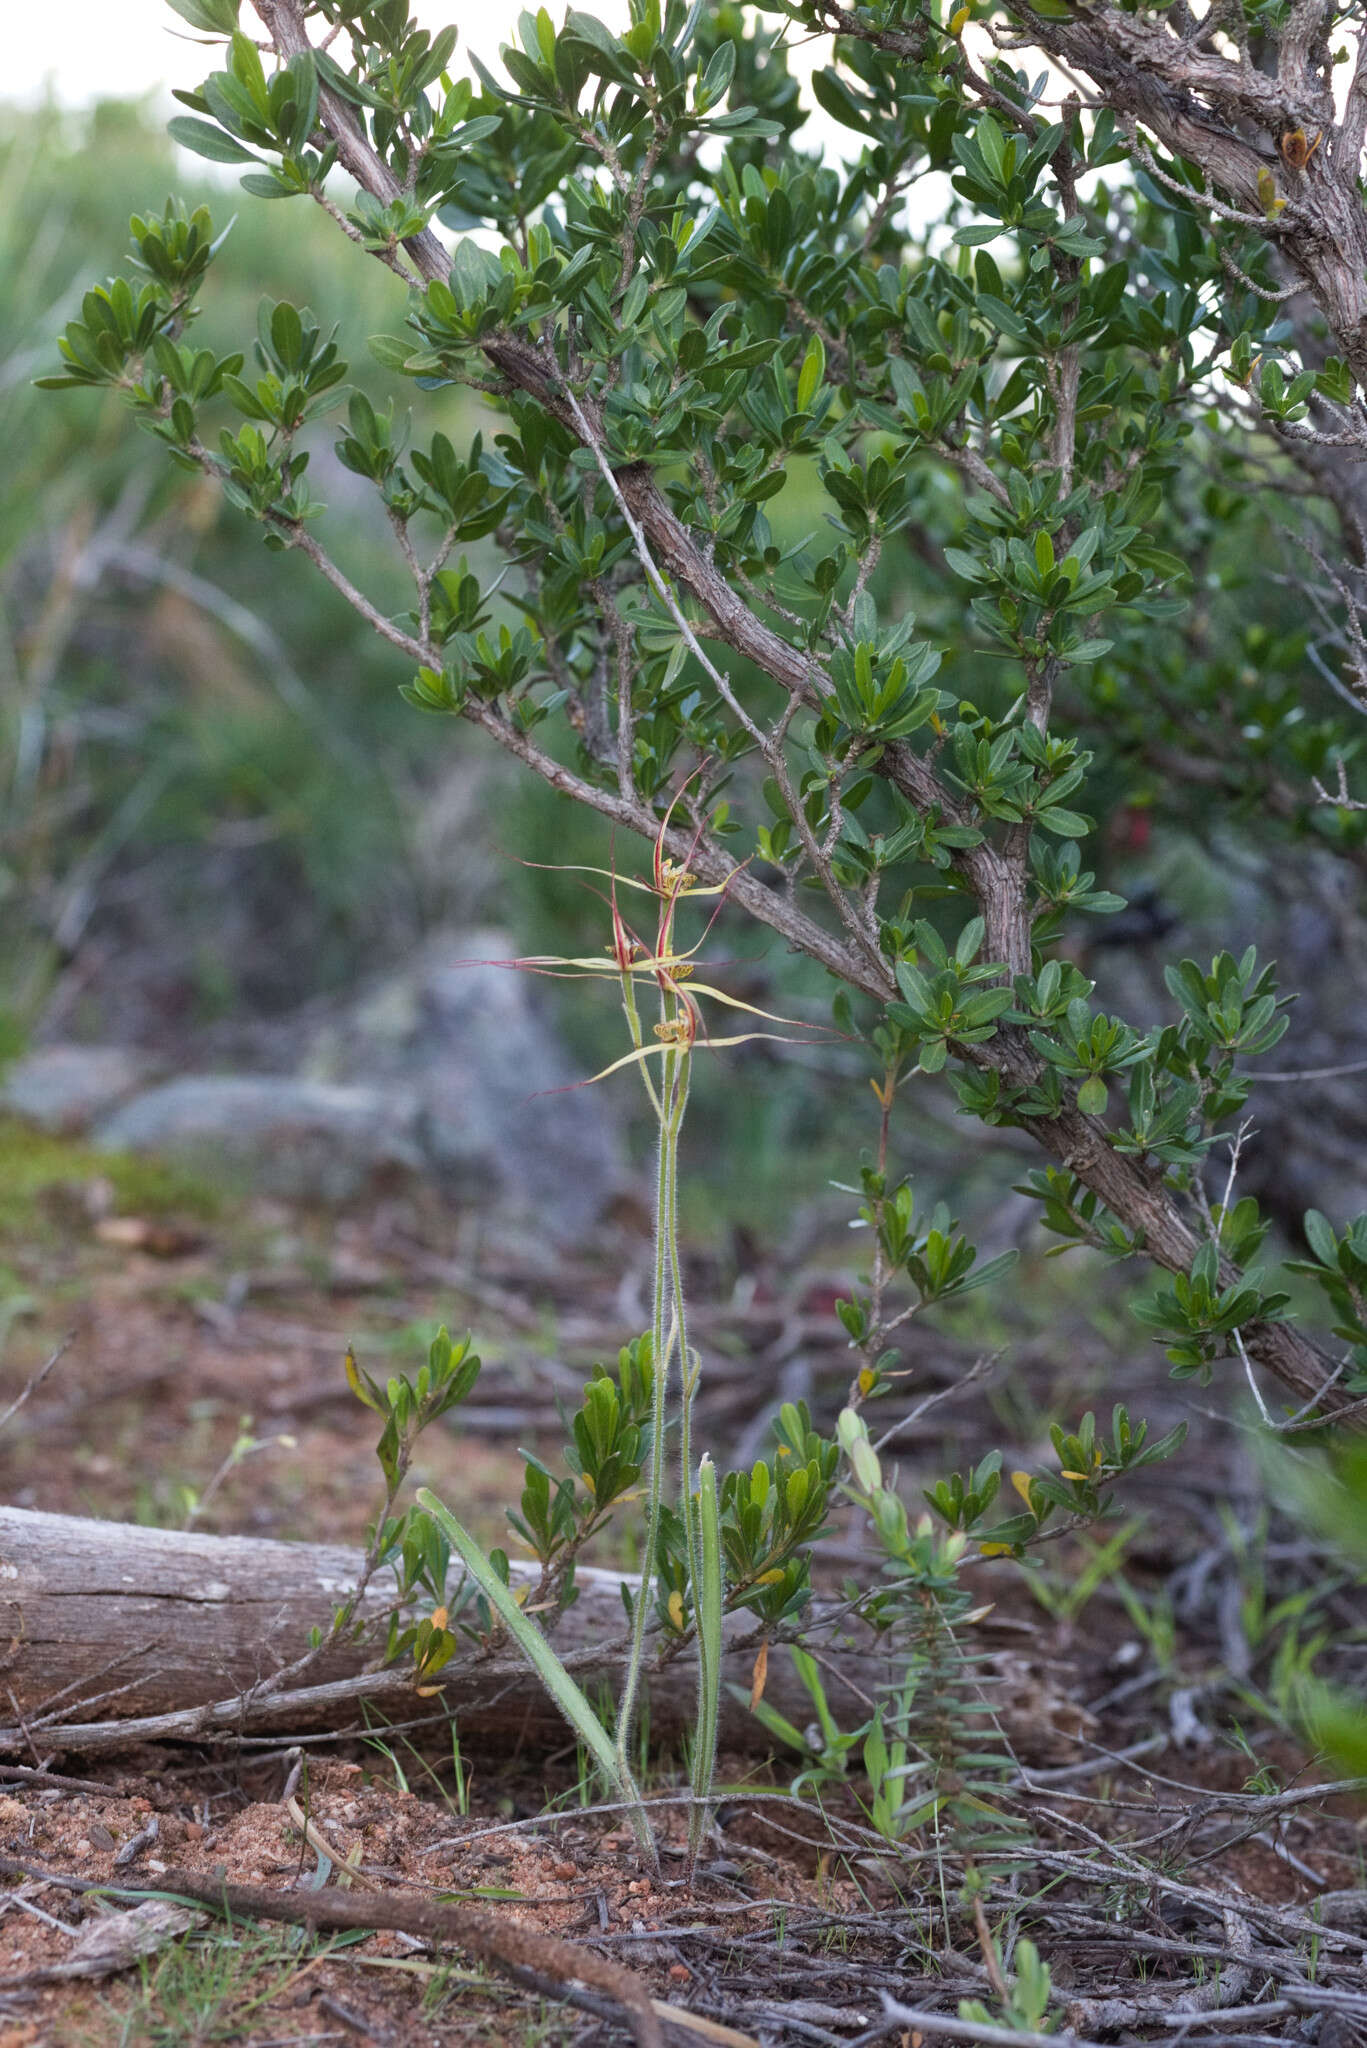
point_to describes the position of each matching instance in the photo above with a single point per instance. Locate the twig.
(979, 1366)
(991, 1960)
(1310, 1073)
(1091, 1767)
(37, 1380)
(1224, 1988)
(488, 1936)
(1339, 798)
(53, 1781)
(1254, 1388)
(1232, 270)
(911, 2019)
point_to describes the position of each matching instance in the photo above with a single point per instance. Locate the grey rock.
(299, 1139)
(499, 1118)
(66, 1088)
(448, 1071)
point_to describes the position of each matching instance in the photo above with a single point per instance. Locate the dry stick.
(991, 1960)
(486, 1936)
(1339, 798)
(57, 1781)
(915, 2020)
(1224, 1987)
(1094, 1869)
(33, 1385)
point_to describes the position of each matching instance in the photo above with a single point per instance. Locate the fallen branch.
(520, 1952)
(122, 1634)
(489, 1937)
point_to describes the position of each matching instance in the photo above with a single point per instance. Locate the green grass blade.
(571, 1701)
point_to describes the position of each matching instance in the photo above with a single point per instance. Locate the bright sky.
(87, 50)
(98, 49)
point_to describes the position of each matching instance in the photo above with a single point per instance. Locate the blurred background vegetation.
(198, 756)
(216, 805)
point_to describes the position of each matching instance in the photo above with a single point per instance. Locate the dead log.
(118, 1634)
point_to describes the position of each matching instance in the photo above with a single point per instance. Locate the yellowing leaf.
(758, 1676)
(959, 20)
(868, 1380)
(1021, 1482)
(356, 1383)
(676, 1610)
(994, 1550)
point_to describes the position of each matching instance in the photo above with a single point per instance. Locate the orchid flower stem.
(675, 1104)
(701, 1511)
(662, 1337)
(687, 1362)
(708, 1602)
(659, 1362)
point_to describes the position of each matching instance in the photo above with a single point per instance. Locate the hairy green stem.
(661, 1344)
(688, 1374)
(693, 1515)
(708, 1599)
